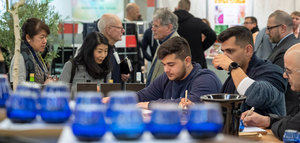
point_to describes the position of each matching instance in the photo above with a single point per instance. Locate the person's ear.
(249, 50)
(188, 60)
(27, 38)
(283, 28)
(170, 27)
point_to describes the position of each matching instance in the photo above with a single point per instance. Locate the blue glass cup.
(165, 121)
(31, 87)
(55, 103)
(4, 90)
(21, 107)
(58, 86)
(88, 98)
(127, 122)
(290, 136)
(120, 98)
(204, 120)
(89, 123)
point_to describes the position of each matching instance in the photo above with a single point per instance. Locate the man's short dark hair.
(253, 19)
(176, 45)
(242, 34)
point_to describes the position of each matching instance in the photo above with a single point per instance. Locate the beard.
(275, 38)
(181, 74)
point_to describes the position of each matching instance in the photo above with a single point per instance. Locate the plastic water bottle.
(290, 136)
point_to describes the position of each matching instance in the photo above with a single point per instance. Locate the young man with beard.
(180, 74)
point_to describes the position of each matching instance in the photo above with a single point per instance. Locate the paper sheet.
(253, 129)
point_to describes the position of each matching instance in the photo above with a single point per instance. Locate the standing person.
(91, 64)
(192, 28)
(263, 46)
(280, 30)
(279, 124)
(251, 24)
(164, 27)
(111, 27)
(34, 40)
(132, 12)
(259, 80)
(296, 23)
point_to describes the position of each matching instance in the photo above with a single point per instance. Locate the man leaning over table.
(279, 124)
(180, 74)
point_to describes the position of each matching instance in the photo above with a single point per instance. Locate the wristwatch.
(232, 66)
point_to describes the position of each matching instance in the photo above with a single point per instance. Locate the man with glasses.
(111, 27)
(259, 80)
(251, 24)
(164, 27)
(279, 124)
(280, 30)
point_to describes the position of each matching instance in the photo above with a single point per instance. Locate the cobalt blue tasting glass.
(120, 97)
(88, 98)
(4, 90)
(290, 136)
(204, 120)
(89, 123)
(21, 107)
(55, 103)
(127, 122)
(56, 86)
(31, 87)
(165, 121)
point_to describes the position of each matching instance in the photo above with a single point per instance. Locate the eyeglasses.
(288, 72)
(271, 27)
(156, 26)
(121, 28)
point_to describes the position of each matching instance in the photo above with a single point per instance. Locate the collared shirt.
(283, 38)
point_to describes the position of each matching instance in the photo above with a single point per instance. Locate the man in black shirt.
(279, 124)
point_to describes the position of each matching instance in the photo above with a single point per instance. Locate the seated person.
(259, 80)
(180, 74)
(91, 64)
(279, 124)
(34, 40)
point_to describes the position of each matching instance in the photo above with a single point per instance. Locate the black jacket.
(192, 28)
(276, 57)
(286, 122)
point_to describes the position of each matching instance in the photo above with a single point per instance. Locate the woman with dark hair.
(34, 39)
(91, 64)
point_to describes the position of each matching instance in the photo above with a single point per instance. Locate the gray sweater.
(81, 76)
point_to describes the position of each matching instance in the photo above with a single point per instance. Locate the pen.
(186, 92)
(250, 112)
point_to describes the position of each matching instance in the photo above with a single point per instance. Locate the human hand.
(185, 104)
(143, 105)
(105, 100)
(221, 61)
(255, 119)
(125, 77)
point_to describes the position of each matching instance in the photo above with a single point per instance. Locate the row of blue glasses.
(52, 104)
(126, 122)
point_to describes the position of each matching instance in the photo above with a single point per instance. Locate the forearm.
(262, 94)
(237, 76)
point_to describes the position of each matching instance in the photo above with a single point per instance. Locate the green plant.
(30, 9)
